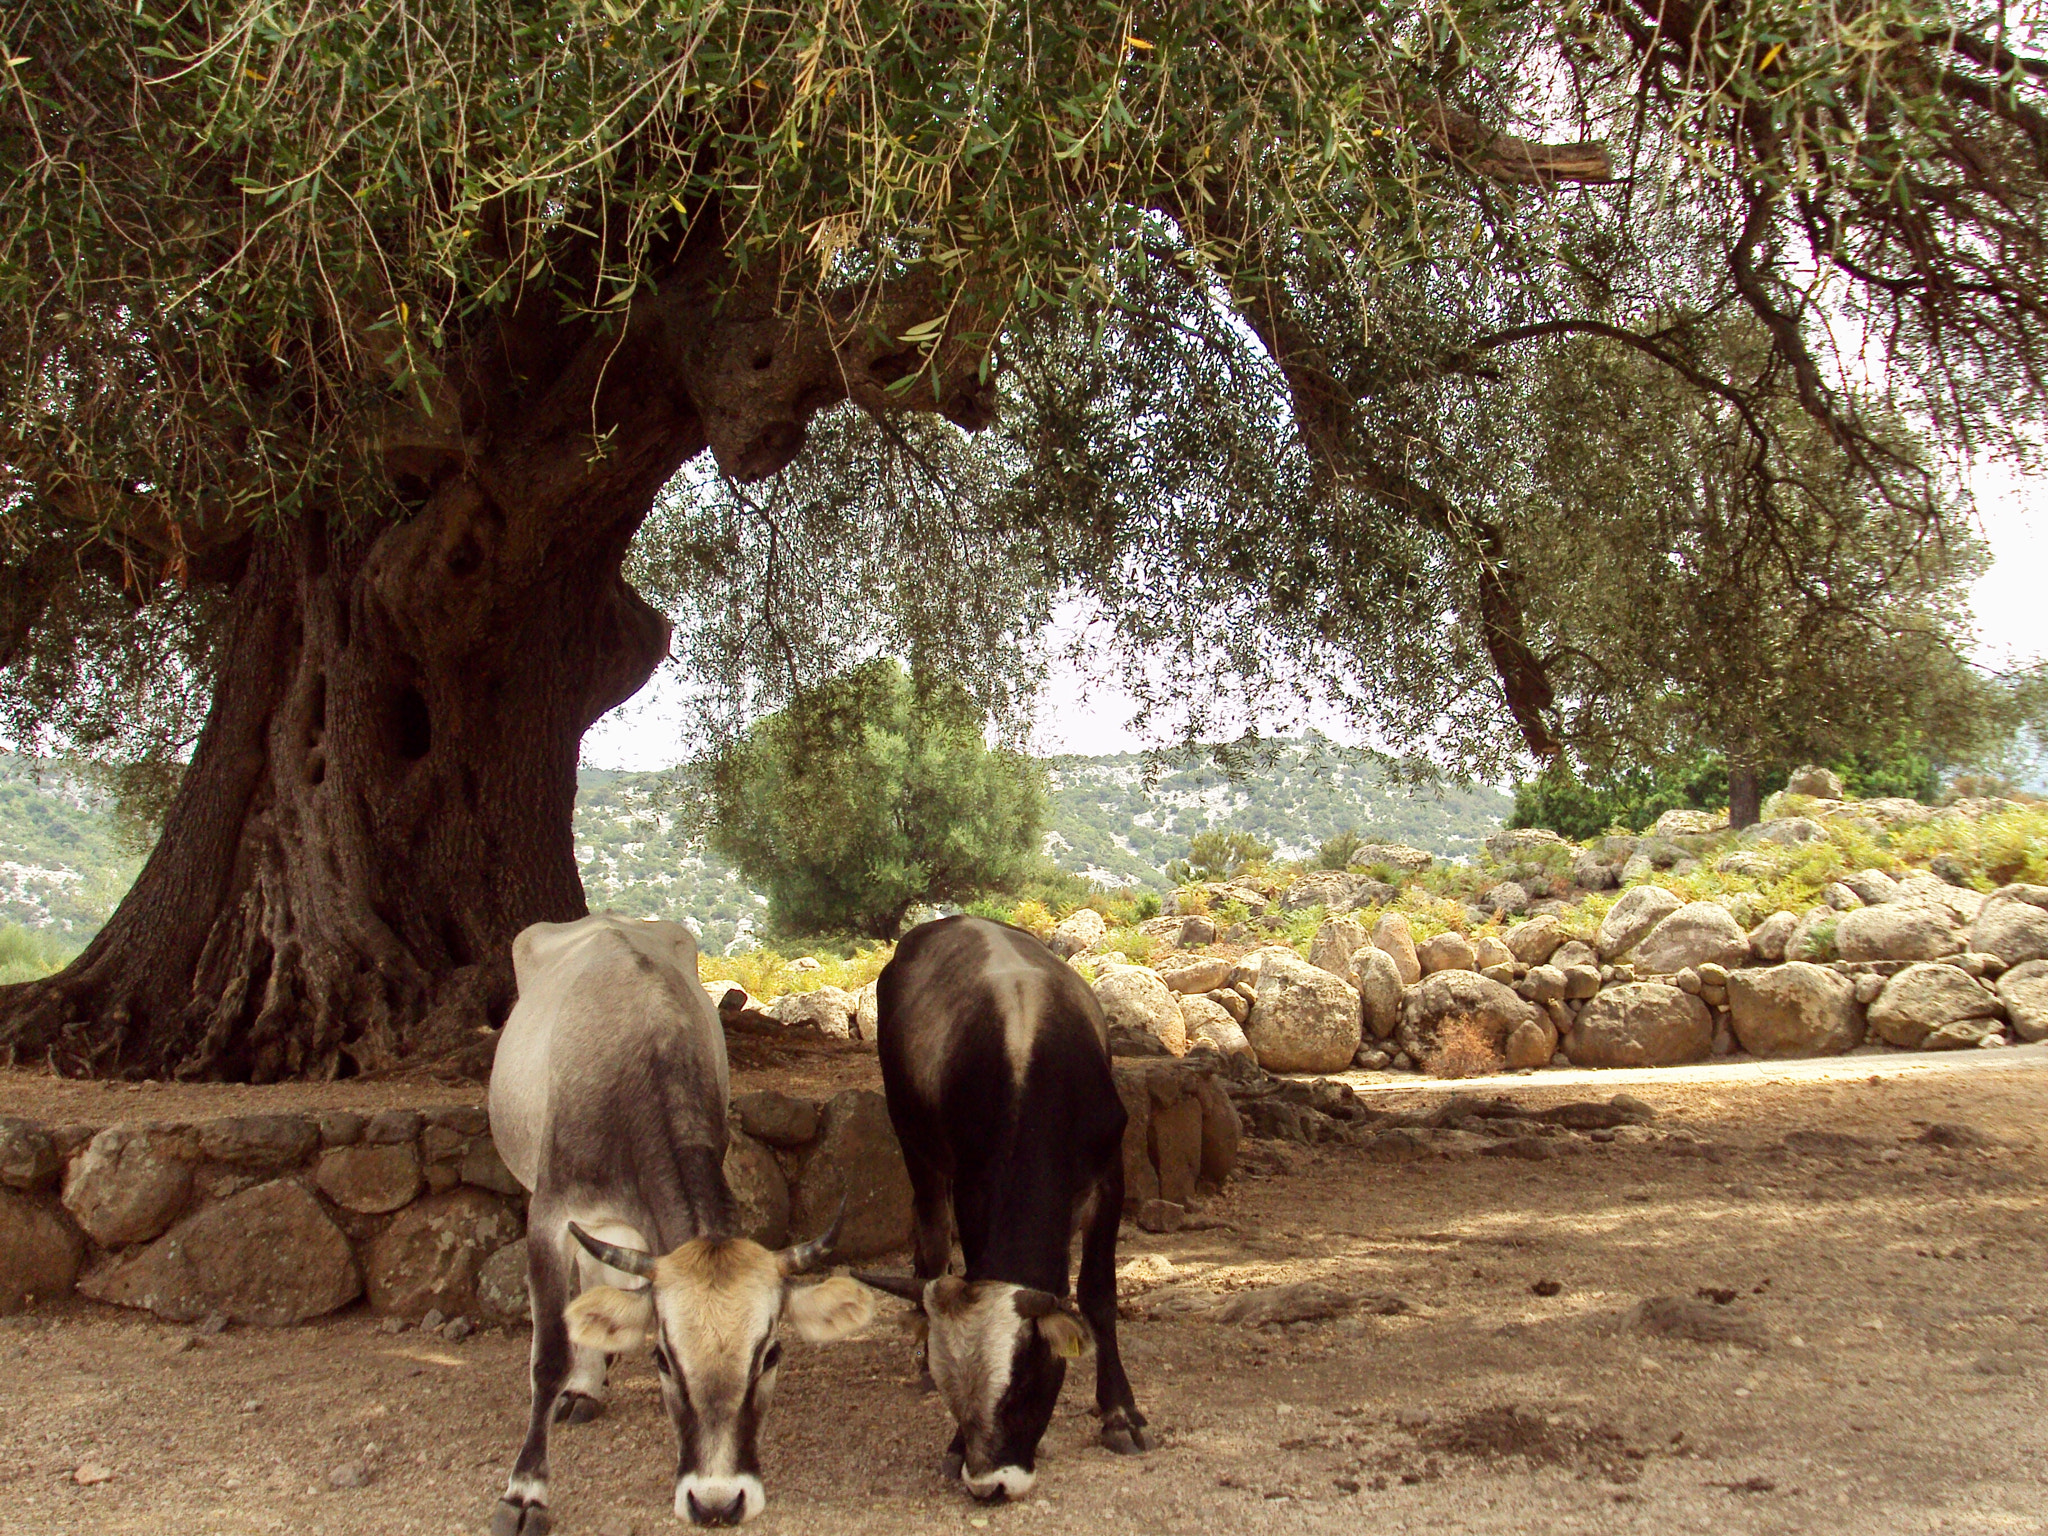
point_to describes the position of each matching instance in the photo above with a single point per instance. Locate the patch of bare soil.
(1892, 1274)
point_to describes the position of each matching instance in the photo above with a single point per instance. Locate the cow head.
(999, 1356)
(714, 1310)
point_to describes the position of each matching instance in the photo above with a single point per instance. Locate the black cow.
(995, 1060)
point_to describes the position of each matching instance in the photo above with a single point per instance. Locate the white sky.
(1085, 711)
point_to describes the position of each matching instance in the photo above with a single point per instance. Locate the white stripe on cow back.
(1017, 984)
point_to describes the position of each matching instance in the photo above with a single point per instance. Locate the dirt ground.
(1893, 1292)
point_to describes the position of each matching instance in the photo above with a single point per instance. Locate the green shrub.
(27, 954)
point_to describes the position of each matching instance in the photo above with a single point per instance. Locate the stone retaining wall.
(276, 1218)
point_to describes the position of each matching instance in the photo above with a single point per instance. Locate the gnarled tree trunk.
(380, 799)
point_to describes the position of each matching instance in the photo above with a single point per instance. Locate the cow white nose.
(702, 1513)
(719, 1500)
(1003, 1483)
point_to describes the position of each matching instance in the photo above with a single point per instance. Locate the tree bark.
(1745, 797)
(380, 799)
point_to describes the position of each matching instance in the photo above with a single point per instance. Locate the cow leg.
(1123, 1427)
(582, 1396)
(523, 1511)
(931, 1199)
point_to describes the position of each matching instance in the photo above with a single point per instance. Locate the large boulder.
(270, 1256)
(1932, 1007)
(1302, 1018)
(780, 1119)
(1534, 942)
(1794, 1010)
(758, 1189)
(1629, 921)
(1336, 941)
(130, 1183)
(1898, 930)
(1392, 934)
(1460, 1020)
(1960, 902)
(857, 1158)
(1685, 823)
(427, 1259)
(369, 1180)
(1210, 1023)
(1378, 982)
(1336, 891)
(501, 1285)
(1134, 996)
(1873, 887)
(1699, 933)
(1447, 951)
(1395, 856)
(2013, 924)
(39, 1252)
(1080, 931)
(2024, 991)
(1786, 832)
(28, 1158)
(257, 1141)
(1767, 940)
(1641, 1024)
(1530, 1044)
(830, 1010)
(1204, 975)
(867, 1013)
(1814, 782)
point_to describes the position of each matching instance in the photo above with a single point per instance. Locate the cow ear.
(607, 1318)
(948, 1294)
(829, 1311)
(1066, 1333)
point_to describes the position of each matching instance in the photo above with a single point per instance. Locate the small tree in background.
(1337, 852)
(870, 795)
(1218, 854)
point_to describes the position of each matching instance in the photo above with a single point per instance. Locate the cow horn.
(631, 1260)
(909, 1287)
(799, 1257)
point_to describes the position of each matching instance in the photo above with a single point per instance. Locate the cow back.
(612, 1043)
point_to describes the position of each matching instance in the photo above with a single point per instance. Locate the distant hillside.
(1107, 823)
(636, 860)
(61, 870)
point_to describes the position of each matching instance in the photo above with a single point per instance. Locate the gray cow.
(608, 1102)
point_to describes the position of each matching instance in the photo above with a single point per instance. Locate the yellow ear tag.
(1069, 1346)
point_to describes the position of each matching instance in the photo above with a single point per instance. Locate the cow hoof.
(1127, 1439)
(512, 1519)
(578, 1408)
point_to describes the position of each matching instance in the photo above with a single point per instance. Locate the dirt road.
(1889, 1294)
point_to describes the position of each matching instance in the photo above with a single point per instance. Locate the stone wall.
(272, 1219)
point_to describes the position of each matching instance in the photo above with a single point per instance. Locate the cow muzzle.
(1000, 1484)
(719, 1500)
